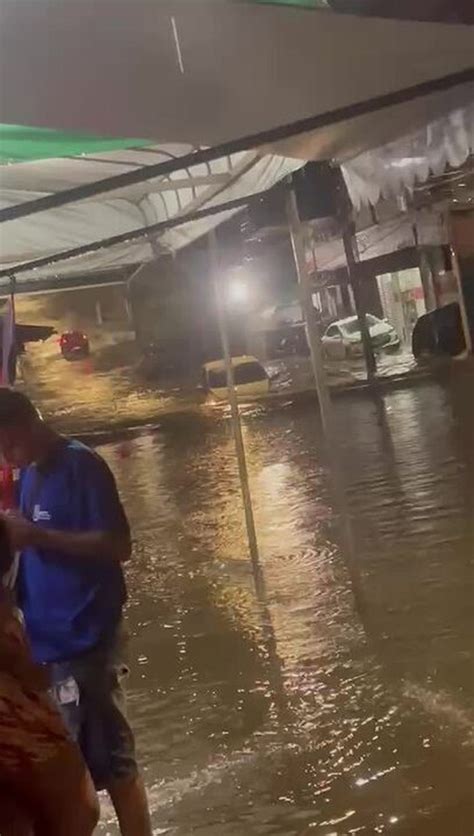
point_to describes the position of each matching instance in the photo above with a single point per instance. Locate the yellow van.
(251, 379)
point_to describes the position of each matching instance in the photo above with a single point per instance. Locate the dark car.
(440, 332)
(74, 345)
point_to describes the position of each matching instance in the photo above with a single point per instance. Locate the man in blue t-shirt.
(73, 536)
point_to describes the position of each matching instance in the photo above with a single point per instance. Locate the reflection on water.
(277, 711)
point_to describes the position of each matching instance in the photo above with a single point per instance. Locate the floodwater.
(295, 706)
(92, 394)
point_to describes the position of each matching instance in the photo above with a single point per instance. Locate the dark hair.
(6, 551)
(15, 408)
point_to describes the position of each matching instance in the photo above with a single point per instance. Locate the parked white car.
(342, 339)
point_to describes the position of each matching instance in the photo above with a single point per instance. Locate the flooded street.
(106, 389)
(293, 706)
(269, 202)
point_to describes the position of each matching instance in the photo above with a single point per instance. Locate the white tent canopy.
(122, 211)
(200, 73)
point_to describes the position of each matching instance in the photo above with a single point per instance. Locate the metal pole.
(325, 404)
(462, 302)
(312, 325)
(427, 281)
(234, 407)
(348, 239)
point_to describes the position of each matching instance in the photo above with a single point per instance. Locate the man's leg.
(106, 738)
(130, 802)
(125, 786)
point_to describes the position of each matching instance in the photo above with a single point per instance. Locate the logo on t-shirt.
(39, 515)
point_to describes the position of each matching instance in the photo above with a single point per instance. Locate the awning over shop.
(400, 165)
(266, 86)
(395, 235)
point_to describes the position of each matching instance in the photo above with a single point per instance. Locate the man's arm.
(88, 544)
(93, 544)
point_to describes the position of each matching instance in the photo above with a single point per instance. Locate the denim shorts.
(89, 693)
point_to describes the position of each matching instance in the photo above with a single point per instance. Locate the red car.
(74, 345)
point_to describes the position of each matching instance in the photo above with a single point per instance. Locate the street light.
(238, 292)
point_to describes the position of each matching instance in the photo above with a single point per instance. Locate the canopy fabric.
(139, 206)
(197, 73)
(400, 165)
(19, 144)
(206, 72)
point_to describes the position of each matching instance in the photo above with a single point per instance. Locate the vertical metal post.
(312, 325)
(234, 407)
(325, 403)
(462, 302)
(128, 310)
(426, 270)
(427, 280)
(369, 356)
(98, 313)
(400, 317)
(352, 257)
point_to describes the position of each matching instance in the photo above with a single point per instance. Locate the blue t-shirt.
(70, 603)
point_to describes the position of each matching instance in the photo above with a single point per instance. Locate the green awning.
(23, 144)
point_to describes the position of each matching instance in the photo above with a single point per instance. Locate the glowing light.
(238, 292)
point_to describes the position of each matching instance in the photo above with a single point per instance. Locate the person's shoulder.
(75, 449)
(83, 458)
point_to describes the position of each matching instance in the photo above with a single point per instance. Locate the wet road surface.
(295, 707)
(96, 392)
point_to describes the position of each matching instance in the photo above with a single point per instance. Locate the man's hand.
(21, 532)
